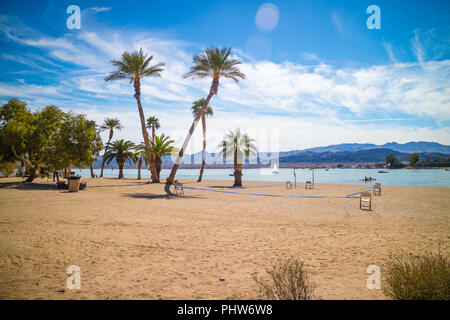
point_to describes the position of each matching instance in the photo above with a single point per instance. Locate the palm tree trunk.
(158, 163)
(139, 168)
(237, 171)
(120, 163)
(111, 133)
(204, 148)
(137, 95)
(186, 141)
(92, 170)
(153, 132)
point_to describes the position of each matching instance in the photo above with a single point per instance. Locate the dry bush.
(417, 277)
(287, 280)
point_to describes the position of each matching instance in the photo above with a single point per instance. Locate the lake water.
(398, 177)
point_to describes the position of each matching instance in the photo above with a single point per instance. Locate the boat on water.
(275, 169)
(383, 171)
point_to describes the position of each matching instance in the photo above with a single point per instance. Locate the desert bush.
(287, 280)
(417, 277)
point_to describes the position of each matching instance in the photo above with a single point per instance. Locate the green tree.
(162, 147)
(30, 137)
(238, 145)
(213, 63)
(207, 112)
(121, 151)
(153, 123)
(134, 67)
(80, 142)
(413, 159)
(111, 125)
(141, 156)
(393, 162)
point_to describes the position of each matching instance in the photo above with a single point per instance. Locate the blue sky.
(319, 76)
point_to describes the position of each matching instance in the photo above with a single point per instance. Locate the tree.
(208, 111)
(121, 151)
(153, 123)
(238, 145)
(141, 156)
(214, 63)
(30, 137)
(162, 147)
(413, 159)
(134, 67)
(109, 124)
(393, 162)
(79, 143)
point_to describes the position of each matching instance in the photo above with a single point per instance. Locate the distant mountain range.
(339, 153)
(410, 147)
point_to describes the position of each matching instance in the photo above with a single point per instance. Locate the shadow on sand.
(151, 196)
(22, 185)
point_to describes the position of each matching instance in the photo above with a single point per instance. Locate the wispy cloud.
(338, 22)
(389, 50)
(102, 9)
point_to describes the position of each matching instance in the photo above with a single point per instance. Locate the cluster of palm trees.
(123, 151)
(214, 63)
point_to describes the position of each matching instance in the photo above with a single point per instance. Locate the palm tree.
(136, 66)
(238, 145)
(141, 156)
(109, 124)
(162, 147)
(153, 123)
(214, 63)
(208, 111)
(121, 151)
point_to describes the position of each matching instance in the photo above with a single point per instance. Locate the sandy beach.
(132, 241)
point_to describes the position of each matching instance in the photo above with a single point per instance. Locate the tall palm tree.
(153, 123)
(109, 124)
(208, 111)
(141, 157)
(162, 147)
(238, 145)
(121, 151)
(214, 63)
(136, 66)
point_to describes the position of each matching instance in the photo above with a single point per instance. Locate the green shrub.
(417, 277)
(7, 168)
(287, 280)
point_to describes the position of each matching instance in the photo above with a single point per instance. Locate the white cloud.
(102, 9)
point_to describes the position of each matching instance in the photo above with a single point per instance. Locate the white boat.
(275, 169)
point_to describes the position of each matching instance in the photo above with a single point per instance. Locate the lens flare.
(267, 17)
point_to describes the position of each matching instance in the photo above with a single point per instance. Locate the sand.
(132, 241)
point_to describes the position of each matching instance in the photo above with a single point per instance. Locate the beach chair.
(179, 189)
(308, 185)
(288, 185)
(377, 189)
(365, 201)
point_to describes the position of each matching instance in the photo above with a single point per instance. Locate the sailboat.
(275, 169)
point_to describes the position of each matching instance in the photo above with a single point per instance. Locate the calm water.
(399, 177)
